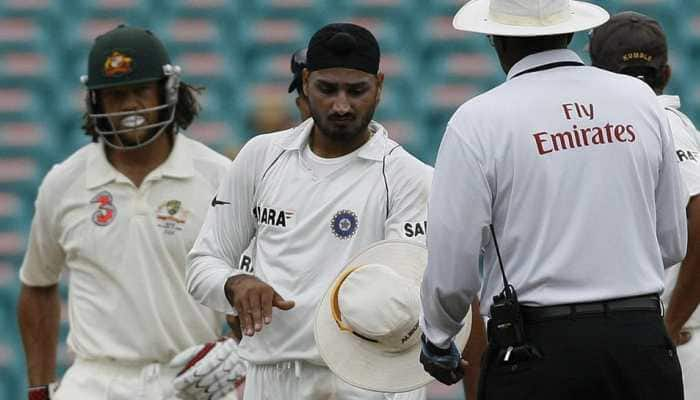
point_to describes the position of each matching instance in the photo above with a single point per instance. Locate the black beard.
(356, 127)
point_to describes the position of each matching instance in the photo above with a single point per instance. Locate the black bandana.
(343, 46)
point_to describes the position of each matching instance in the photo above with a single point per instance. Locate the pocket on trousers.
(512, 381)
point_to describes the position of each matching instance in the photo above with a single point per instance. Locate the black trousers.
(625, 355)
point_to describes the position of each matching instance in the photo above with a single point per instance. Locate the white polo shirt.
(688, 153)
(575, 167)
(125, 248)
(308, 220)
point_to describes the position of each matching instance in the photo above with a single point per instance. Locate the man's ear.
(380, 86)
(666, 73)
(305, 81)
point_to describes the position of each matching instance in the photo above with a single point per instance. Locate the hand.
(253, 299)
(42, 392)
(445, 365)
(209, 371)
(681, 337)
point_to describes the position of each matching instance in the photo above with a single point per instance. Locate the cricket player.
(635, 44)
(568, 175)
(120, 215)
(297, 65)
(312, 197)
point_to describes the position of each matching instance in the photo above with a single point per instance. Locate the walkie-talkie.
(506, 323)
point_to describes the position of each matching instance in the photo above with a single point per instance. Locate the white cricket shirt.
(306, 227)
(125, 248)
(575, 167)
(688, 153)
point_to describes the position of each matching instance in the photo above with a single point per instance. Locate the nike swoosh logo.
(216, 202)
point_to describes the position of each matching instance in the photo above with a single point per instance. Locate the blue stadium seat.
(25, 101)
(20, 175)
(27, 138)
(271, 66)
(288, 8)
(464, 66)
(389, 30)
(402, 9)
(12, 370)
(406, 131)
(275, 34)
(14, 213)
(199, 8)
(23, 33)
(436, 33)
(136, 11)
(448, 7)
(221, 134)
(194, 33)
(400, 67)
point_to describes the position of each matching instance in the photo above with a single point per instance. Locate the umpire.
(571, 170)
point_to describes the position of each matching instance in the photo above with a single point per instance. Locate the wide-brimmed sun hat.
(528, 17)
(366, 326)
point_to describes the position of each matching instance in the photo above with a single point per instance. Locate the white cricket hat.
(528, 17)
(366, 326)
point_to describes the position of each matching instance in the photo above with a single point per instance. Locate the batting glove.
(442, 364)
(209, 371)
(42, 392)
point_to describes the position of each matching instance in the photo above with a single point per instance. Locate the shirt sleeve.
(409, 189)
(671, 199)
(225, 234)
(687, 151)
(45, 259)
(458, 211)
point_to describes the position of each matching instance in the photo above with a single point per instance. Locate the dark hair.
(537, 44)
(186, 110)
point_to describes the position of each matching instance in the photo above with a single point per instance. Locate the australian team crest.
(117, 64)
(172, 216)
(106, 211)
(344, 224)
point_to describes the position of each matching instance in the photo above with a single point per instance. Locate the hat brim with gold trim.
(366, 364)
(475, 16)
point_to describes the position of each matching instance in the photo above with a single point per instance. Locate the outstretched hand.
(253, 299)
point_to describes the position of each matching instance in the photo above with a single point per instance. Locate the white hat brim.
(362, 363)
(474, 17)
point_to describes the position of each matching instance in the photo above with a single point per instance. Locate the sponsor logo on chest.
(106, 211)
(273, 216)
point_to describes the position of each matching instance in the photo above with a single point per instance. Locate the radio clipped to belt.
(505, 327)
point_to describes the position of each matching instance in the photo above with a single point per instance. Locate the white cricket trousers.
(105, 380)
(299, 380)
(689, 357)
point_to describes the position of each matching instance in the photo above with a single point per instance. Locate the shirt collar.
(670, 101)
(100, 171)
(372, 150)
(543, 58)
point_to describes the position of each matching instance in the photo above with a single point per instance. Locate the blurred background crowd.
(240, 51)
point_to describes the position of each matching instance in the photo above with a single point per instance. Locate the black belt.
(648, 302)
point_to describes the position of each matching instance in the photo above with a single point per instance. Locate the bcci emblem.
(344, 224)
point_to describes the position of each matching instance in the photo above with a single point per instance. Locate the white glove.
(209, 371)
